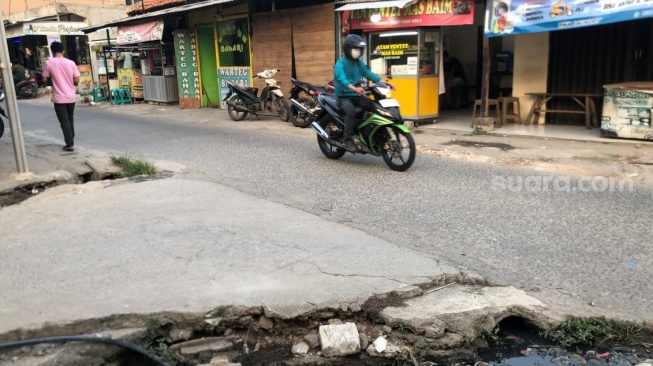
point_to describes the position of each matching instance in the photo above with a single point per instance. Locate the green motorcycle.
(381, 132)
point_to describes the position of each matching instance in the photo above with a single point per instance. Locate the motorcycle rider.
(348, 71)
(18, 71)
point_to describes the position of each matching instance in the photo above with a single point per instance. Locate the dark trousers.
(65, 114)
(348, 105)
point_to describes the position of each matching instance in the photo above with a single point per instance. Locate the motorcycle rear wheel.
(2, 127)
(327, 149)
(298, 118)
(394, 150)
(282, 108)
(234, 114)
(28, 91)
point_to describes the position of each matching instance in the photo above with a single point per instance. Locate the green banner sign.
(187, 69)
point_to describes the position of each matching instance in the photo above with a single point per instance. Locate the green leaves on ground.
(596, 331)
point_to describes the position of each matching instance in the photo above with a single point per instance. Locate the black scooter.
(243, 100)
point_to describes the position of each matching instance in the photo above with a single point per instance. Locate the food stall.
(159, 74)
(156, 59)
(412, 59)
(405, 41)
(129, 73)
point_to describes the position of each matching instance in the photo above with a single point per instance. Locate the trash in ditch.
(380, 344)
(35, 191)
(632, 264)
(632, 175)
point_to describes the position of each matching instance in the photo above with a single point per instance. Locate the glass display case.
(411, 57)
(405, 53)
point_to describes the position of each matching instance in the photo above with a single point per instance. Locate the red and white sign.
(421, 14)
(144, 32)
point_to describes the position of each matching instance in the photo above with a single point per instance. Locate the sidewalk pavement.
(85, 251)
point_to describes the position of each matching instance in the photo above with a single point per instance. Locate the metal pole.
(12, 106)
(485, 84)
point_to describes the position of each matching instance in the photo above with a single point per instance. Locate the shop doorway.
(208, 66)
(583, 60)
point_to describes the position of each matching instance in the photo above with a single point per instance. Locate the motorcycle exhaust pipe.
(238, 107)
(300, 106)
(320, 131)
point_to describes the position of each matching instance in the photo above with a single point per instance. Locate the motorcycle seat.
(332, 101)
(245, 87)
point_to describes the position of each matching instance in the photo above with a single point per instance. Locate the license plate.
(386, 103)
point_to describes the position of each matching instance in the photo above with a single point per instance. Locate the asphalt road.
(563, 246)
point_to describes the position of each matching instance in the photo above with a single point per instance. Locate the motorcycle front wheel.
(234, 114)
(299, 118)
(399, 150)
(282, 108)
(327, 149)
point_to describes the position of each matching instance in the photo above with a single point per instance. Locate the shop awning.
(144, 18)
(377, 5)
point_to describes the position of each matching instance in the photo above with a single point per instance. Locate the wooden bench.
(585, 100)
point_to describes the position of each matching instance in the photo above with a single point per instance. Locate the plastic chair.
(100, 93)
(504, 103)
(121, 96)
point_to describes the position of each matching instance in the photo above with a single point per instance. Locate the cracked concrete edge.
(276, 311)
(57, 176)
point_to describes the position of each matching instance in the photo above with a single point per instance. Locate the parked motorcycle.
(297, 116)
(380, 132)
(243, 100)
(26, 89)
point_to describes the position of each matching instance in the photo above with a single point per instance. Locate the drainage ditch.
(246, 336)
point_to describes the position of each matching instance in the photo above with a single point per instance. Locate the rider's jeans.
(348, 105)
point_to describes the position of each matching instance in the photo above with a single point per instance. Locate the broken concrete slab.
(102, 168)
(167, 224)
(339, 340)
(465, 311)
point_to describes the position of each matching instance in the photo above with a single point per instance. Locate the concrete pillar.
(530, 73)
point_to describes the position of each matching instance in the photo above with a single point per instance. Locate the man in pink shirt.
(65, 76)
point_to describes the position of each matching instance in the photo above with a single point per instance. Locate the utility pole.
(12, 105)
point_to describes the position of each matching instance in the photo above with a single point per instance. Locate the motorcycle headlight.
(385, 113)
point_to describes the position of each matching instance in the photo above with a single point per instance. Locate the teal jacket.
(350, 72)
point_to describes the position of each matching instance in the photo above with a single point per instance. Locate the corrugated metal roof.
(156, 14)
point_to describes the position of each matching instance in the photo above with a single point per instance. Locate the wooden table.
(585, 100)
